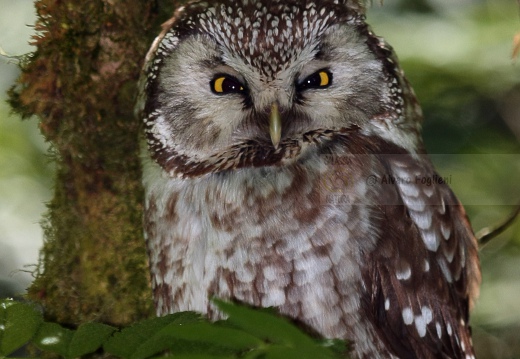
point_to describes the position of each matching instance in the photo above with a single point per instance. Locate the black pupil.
(312, 81)
(230, 85)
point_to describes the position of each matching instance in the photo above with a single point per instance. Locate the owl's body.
(288, 171)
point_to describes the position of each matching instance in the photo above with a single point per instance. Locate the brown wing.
(424, 272)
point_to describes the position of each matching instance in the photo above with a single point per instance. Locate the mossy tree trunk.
(81, 83)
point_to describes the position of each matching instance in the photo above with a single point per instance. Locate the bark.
(81, 83)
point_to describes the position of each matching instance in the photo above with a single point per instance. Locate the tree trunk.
(81, 83)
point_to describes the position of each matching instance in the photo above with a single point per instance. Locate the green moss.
(81, 83)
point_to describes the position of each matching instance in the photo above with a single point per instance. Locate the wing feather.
(424, 273)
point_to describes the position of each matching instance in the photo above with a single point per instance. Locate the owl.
(285, 168)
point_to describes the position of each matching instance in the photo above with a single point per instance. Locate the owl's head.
(242, 83)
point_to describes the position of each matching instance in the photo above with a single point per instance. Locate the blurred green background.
(25, 171)
(458, 56)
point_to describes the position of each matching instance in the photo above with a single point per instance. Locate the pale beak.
(275, 125)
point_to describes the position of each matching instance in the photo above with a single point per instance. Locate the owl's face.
(256, 78)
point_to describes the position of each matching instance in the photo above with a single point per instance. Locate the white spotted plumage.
(342, 223)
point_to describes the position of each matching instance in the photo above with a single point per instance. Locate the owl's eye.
(319, 79)
(225, 84)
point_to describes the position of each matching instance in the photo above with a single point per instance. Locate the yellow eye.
(324, 78)
(224, 84)
(319, 79)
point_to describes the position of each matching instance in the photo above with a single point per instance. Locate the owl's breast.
(290, 236)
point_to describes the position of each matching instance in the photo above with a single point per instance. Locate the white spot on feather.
(407, 316)
(408, 189)
(415, 204)
(421, 321)
(449, 254)
(442, 210)
(445, 230)
(420, 325)
(404, 272)
(427, 314)
(422, 220)
(429, 191)
(445, 270)
(431, 240)
(426, 265)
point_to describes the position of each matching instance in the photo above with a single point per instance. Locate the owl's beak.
(275, 125)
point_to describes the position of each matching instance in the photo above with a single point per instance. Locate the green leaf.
(213, 334)
(207, 338)
(264, 325)
(88, 338)
(288, 339)
(181, 347)
(281, 352)
(19, 323)
(54, 338)
(337, 346)
(127, 342)
(196, 356)
(287, 352)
